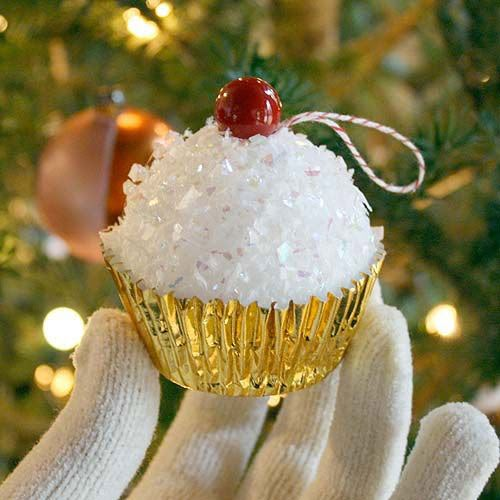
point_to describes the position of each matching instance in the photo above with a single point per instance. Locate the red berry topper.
(248, 106)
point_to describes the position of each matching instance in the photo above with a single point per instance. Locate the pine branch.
(359, 58)
(470, 29)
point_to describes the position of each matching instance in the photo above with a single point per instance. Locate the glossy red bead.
(248, 106)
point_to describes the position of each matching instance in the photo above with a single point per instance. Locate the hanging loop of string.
(331, 120)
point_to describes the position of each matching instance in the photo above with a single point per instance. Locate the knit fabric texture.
(343, 439)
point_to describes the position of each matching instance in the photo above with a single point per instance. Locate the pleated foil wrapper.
(236, 350)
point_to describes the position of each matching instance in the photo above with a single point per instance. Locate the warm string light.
(62, 383)
(161, 129)
(129, 120)
(4, 24)
(63, 328)
(139, 26)
(43, 377)
(152, 4)
(442, 320)
(163, 9)
(275, 400)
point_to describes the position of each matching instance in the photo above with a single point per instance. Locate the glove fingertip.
(100, 438)
(470, 428)
(455, 453)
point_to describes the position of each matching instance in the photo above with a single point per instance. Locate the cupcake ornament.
(245, 255)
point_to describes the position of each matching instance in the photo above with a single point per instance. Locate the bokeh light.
(153, 3)
(3, 24)
(63, 382)
(442, 320)
(161, 129)
(43, 376)
(55, 248)
(275, 400)
(129, 120)
(163, 9)
(139, 26)
(63, 328)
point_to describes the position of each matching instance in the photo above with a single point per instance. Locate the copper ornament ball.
(82, 170)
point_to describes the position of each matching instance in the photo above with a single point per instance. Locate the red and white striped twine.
(330, 120)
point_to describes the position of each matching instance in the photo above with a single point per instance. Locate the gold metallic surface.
(237, 350)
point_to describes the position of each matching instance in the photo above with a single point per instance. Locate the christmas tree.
(425, 67)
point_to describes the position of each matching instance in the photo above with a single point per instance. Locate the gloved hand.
(344, 438)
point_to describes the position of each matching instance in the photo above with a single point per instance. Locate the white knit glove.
(342, 439)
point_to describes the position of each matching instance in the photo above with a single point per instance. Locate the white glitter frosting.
(266, 219)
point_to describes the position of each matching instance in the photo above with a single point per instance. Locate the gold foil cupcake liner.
(236, 350)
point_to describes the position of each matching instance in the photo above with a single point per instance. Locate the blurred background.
(86, 85)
